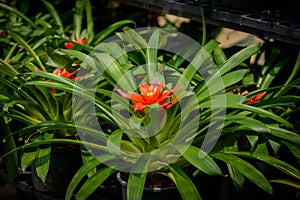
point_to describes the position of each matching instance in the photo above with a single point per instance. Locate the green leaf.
(94, 182)
(115, 51)
(287, 182)
(248, 80)
(281, 165)
(114, 142)
(43, 162)
(135, 39)
(221, 101)
(274, 53)
(62, 61)
(246, 169)
(151, 56)
(102, 35)
(249, 122)
(252, 139)
(261, 148)
(219, 56)
(285, 134)
(137, 178)
(83, 171)
(114, 70)
(9, 144)
(89, 20)
(184, 184)
(265, 113)
(78, 15)
(227, 80)
(273, 73)
(24, 44)
(20, 14)
(28, 156)
(55, 15)
(80, 174)
(294, 148)
(8, 69)
(237, 178)
(198, 61)
(43, 157)
(239, 57)
(86, 156)
(200, 159)
(292, 75)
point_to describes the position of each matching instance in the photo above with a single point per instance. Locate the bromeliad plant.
(31, 46)
(160, 112)
(150, 112)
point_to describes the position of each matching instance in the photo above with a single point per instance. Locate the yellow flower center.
(150, 91)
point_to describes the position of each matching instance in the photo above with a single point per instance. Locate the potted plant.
(39, 111)
(145, 107)
(158, 112)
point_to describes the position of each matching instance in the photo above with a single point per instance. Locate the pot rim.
(148, 189)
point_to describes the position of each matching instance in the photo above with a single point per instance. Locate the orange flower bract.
(63, 73)
(70, 45)
(151, 94)
(253, 99)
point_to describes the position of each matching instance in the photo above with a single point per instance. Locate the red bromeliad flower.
(66, 74)
(150, 94)
(256, 98)
(253, 99)
(63, 73)
(70, 45)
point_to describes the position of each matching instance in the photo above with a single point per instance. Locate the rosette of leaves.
(31, 44)
(127, 136)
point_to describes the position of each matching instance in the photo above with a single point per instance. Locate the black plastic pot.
(152, 193)
(64, 163)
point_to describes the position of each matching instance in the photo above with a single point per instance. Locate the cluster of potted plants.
(149, 107)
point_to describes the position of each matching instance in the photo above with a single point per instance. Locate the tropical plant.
(32, 44)
(142, 108)
(183, 119)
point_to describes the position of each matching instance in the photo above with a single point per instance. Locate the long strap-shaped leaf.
(102, 35)
(273, 73)
(230, 63)
(279, 164)
(136, 181)
(8, 69)
(94, 182)
(43, 159)
(78, 15)
(292, 76)
(184, 184)
(83, 171)
(228, 80)
(28, 156)
(9, 144)
(239, 57)
(56, 141)
(151, 56)
(265, 113)
(200, 159)
(197, 62)
(55, 16)
(246, 169)
(89, 20)
(115, 71)
(287, 182)
(20, 14)
(24, 44)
